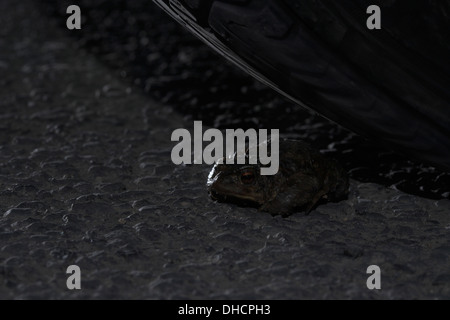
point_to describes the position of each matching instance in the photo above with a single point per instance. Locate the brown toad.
(305, 177)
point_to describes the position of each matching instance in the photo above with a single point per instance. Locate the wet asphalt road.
(86, 178)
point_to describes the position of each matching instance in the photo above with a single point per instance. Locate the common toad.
(305, 178)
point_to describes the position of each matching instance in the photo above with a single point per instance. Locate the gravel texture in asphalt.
(86, 176)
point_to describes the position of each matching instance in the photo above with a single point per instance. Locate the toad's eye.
(247, 177)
